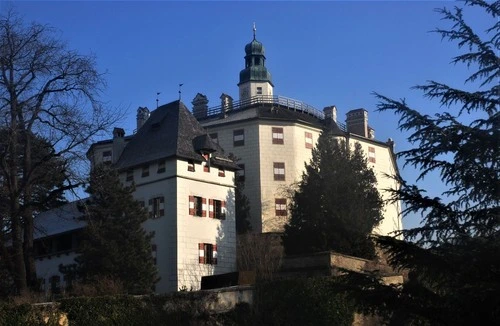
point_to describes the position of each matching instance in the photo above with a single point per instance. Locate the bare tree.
(50, 92)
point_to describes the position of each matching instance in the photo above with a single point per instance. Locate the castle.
(178, 161)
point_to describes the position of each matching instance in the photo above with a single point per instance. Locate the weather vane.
(254, 30)
(180, 85)
(157, 93)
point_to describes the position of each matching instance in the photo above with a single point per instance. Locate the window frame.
(371, 155)
(161, 167)
(309, 144)
(278, 135)
(207, 253)
(129, 177)
(280, 207)
(239, 175)
(156, 207)
(145, 171)
(237, 133)
(279, 167)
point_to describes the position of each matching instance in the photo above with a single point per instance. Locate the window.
(197, 206)
(106, 156)
(309, 140)
(145, 171)
(142, 204)
(371, 154)
(240, 174)
(217, 209)
(153, 252)
(207, 253)
(279, 171)
(259, 90)
(156, 207)
(277, 136)
(280, 204)
(206, 165)
(191, 166)
(68, 282)
(222, 172)
(161, 167)
(214, 137)
(55, 284)
(239, 137)
(130, 175)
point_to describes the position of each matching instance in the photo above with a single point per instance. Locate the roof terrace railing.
(289, 103)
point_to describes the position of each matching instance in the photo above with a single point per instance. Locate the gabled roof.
(169, 132)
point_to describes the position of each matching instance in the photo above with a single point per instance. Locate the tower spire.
(254, 30)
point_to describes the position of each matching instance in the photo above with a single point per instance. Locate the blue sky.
(322, 53)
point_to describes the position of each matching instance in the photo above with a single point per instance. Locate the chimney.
(330, 113)
(200, 106)
(142, 116)
(118, 143)
(357, 122)
(226, 103)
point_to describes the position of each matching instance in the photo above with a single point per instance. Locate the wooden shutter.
(214, 254)
(201, 253)
(191, 205)
(203, 207)
(223, 210)
(150, 208)
(211, 208)
(162, 206)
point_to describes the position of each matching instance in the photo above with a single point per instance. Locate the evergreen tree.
(115, 245)
(336, 205)
(242, 204)
(453, 257)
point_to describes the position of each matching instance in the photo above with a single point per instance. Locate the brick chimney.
(226, 103)
(142, 116)
(200, 106)
(330, 113)
(357, 122)
(118, 143)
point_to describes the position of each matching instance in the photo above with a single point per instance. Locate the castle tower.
(255, 80)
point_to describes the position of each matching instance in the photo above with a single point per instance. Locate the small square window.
(106, 156)
(197, 206)
(157, 207)
(161, 166)
(214, 137)
(309, 140)
(279, 171)
(239, 137)
(280, 206)
(191, 166)
(222, 172)
(240, 174)
(277, 134)
(130, 175)
(371, 155)
(259, 90)
(217, 209)
(207, 253)
(145, 171)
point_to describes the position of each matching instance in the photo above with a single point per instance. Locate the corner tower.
(255, 79)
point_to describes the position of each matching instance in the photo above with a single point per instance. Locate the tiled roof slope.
(169, 132)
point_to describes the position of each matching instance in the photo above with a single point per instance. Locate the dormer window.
(106, 156)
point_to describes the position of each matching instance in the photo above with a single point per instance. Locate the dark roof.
(169, 132)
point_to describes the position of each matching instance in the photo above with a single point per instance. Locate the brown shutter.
(203, 207)
(201, 253)
(162, 206)
(150, 207)
(191, 205)
(214, 254)
(211, 208)
(223, 210)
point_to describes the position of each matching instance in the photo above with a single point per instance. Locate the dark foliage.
(336, 205)
(452, 258)
(115, 244)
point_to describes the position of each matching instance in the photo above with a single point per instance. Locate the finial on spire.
(254, 30)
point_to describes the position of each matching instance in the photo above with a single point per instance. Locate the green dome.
(254, 48)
